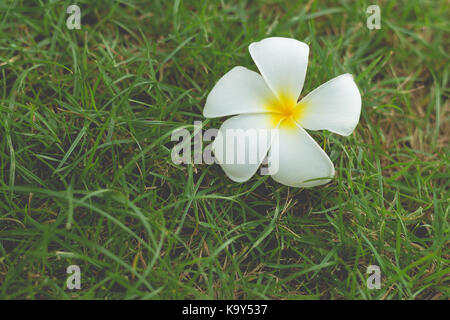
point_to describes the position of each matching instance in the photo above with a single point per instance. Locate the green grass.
(86, 176)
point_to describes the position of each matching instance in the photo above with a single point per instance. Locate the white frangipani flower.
(270, 101)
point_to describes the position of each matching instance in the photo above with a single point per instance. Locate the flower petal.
(239, 91)
(282, 63)
(334, 106)
(242, 145)
(299, 159)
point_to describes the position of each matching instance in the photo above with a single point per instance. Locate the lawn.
(86, 176)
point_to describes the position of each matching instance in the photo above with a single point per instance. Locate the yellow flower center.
(285, 111)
